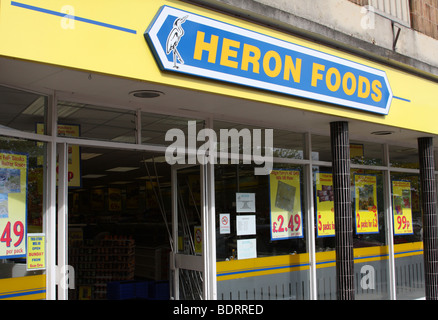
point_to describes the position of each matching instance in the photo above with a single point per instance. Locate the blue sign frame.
(195, 45)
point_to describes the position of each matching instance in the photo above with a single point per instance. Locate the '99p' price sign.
(402, 207)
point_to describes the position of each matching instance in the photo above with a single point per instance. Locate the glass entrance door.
(188, 219)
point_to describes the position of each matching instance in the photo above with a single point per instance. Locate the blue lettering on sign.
(192, 44)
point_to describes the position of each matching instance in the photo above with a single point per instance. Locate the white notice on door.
(245, 202)
(246, 225)
(246, 249)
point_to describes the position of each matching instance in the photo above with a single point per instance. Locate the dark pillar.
(428, 202)
(340, 145)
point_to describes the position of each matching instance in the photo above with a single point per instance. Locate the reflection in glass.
(409, 263)
(369, 237)
(286, 144)
(96, 122)
(21, 110)
(402, 157)
(279, 237)
(35, 193)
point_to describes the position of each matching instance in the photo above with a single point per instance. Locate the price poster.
(114, 199)
(13, 204)
(402, 207)
(74, 153)
(325, 212)
(365, 189)
(286, 215)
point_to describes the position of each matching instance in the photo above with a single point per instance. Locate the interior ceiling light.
(122, 169)
(382, 133)
(93, 176)
(146, 94)
(88, 156)
(160, 159)
(149, 177)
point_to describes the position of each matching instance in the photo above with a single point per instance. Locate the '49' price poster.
(286, 215)
(402, 208)
(13, 203)
(365, 188)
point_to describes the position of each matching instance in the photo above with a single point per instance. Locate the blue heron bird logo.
(173, 40)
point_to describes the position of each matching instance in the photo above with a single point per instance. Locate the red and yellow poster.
(365, 189)
(325, 213)
(286, 215)
(74, 154)
(114, 199)
(402, 207)
(13, 204)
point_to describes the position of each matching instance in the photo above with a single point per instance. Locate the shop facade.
(201, 156)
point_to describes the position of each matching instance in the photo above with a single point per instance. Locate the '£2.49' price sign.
(287, 224)
(286, 215)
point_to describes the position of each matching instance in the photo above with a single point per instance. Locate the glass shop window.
(363, 153)
(284, 144)
(21, 110)
(366, 153)
(265, 209)
(22, 204)
(367, 208)
(80, 120)
(154, 128)
(321, 148)
(369, 236)
(22, 195)
(261, 219)
(404, 157)
(271, 204)
(408, 235)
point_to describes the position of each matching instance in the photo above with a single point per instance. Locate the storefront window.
(80, 120)
(408, 236)
(285, 144)
(369, 237)
(261, 218)
(155, 126)
(119, 225)
(22, 203)
(321, 149)
(402, 157)
(22, 196)
(21, 110)
(363, 153)
(366, 153)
